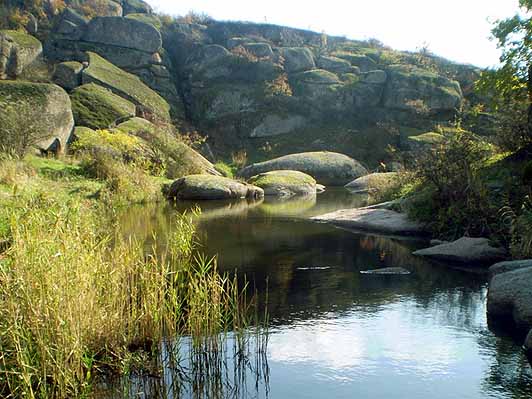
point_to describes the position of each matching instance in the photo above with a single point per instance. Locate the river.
(336, 333)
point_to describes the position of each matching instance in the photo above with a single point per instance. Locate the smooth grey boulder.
(285, 183)
(466, 250)
(17, 51)
(387, 271)
(328, 168)
(68, 74)
(374, 220)
(205, 187)
(510, 298)
(373, 182)
(124, 32)
(508, 266)
(43, 110)
(409, 87)
(298, 59)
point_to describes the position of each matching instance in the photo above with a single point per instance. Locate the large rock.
(465, 250)
(298, 59)
(100, 8)
(510, 298)
(334, 64)
(373, 182)
(374, 220)
(124, 84)
(17, 51)
(411, 88)
(124, 32)
(328, 168)
(98, 108)
(181, 160)
(37, 113)
(203, 187)
(285, 183)
(68, 74)
(136, 6)
(508, 266)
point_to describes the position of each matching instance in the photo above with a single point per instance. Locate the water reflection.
(337, 333)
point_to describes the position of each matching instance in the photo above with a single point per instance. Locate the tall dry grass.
(77, 298)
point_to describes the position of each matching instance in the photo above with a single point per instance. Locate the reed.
(80, 300)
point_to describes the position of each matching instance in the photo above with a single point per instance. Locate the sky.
(455, 29)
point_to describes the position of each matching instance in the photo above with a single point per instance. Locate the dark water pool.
(335, 333)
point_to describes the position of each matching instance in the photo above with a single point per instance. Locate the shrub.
(451, 198)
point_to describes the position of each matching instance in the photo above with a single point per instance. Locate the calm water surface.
(335, 333)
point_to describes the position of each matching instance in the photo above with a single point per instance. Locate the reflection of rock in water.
(274, 206)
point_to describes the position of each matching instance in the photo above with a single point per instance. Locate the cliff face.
(273, 90)
(264, 89)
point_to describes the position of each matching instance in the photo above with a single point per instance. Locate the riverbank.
(82, 299)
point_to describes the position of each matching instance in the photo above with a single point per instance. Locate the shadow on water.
(333, 331)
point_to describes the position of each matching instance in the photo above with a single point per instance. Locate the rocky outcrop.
(133, 44)
(373, 182)
(203, 187)
(123, 32)
(466, 250)
(285, 183)
(382, 221)
(124, 84)
(509, 297)
(17, 51)
(36, 113)
(68, 74)
(328, 168)
(298, 59)
(136, 6)
(274, 125)
(98, 108)
(410, 88)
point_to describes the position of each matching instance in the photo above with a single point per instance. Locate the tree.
(510, 86)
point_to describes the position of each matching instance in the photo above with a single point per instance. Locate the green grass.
(282, 177)
(98, 108)
(148, 19)
(125, 84)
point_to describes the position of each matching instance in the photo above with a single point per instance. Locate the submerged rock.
(465, 250)
(387, 271)
(204, 187)
(510, 298)
(374, 220)
(328, 168)
(285, 183)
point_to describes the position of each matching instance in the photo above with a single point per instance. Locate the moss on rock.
(97, 107)
(285, 183)
(129, 86)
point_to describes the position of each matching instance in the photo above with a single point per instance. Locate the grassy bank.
(78, 299)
